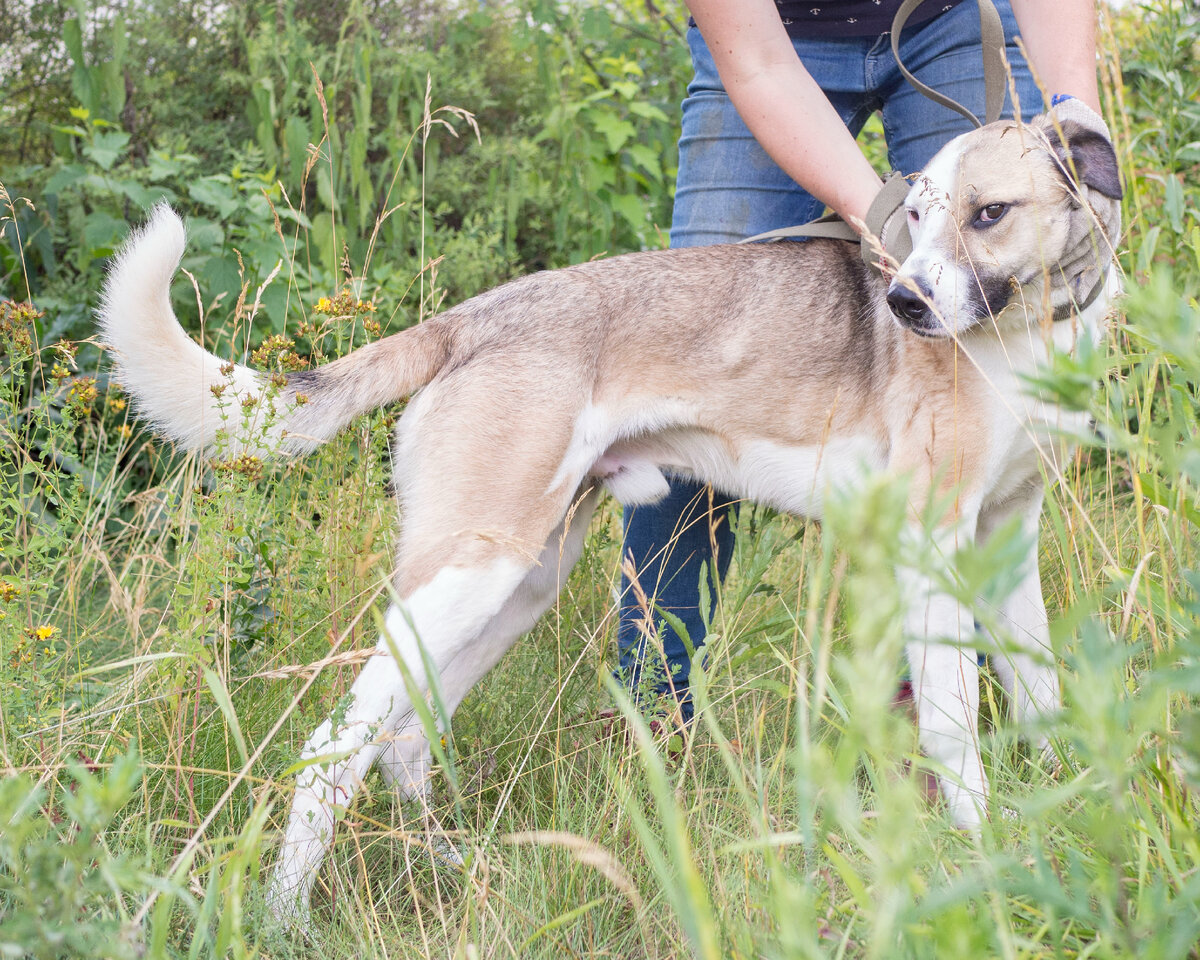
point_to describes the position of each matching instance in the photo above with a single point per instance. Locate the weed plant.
(171, 630)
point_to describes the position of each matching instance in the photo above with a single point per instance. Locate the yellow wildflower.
(45, 632)
(82, 395)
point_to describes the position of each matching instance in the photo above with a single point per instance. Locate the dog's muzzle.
(911, 308)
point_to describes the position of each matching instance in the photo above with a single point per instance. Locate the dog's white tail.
(193, 396)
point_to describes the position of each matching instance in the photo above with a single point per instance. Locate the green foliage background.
(346, 168)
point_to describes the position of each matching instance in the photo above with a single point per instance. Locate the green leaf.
(204, 235)
(631, 208)
(72, 34)
(65, 177)
(616, 131)
(106, 148)
(1174, 202)
(217, 193)
(646, 158)
(102, 233)
(1157, 491)
(219, 275)
(140, 196)
(162, 165)
(648, 111)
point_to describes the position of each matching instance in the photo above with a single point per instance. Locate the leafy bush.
(64, 882)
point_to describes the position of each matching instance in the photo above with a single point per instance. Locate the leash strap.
(887, 220)
(830, 225)
(1069, 309)
(882, 220)
(991, 32)
(1030, 295)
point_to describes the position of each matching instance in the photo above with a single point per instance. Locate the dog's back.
(758, 313)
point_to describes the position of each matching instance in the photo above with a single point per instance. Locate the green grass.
(147, 731)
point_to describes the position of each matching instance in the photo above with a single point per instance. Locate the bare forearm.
(1060, 39)
(782, 105)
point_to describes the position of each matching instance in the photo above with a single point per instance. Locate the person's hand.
(1068, 109)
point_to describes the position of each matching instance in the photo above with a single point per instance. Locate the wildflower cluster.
(347, 305)
(22, 654)
(8, 592)
(25, 648)
(248, 465)
(16, 326)
(276, 352)
(81, 396)
(64, 361)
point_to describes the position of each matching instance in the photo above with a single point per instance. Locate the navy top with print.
(851, 18)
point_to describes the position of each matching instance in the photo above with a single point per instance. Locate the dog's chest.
(1029, 437)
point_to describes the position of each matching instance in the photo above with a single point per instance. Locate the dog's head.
(1004, 205)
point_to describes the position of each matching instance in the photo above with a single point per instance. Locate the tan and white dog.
(773, 372)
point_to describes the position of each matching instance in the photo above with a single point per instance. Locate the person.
(780, 91)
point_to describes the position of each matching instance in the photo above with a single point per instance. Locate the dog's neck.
(1071, 286)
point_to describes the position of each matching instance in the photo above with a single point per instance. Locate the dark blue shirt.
(851, 18)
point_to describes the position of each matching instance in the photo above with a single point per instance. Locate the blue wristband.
(1059, 98)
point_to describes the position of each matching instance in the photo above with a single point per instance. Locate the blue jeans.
(728, 189)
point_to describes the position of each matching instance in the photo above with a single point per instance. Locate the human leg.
(670, 545)
(728, 188)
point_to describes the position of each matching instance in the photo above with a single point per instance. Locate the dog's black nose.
(908, 306)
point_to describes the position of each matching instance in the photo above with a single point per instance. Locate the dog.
(774, 372)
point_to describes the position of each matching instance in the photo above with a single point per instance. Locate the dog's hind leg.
(405, 760)
(444, 615)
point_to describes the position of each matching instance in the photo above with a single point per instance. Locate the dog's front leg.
(1024, 660)
(945, 682)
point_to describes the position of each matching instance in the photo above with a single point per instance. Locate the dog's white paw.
(285, 904)
(1048, 757)
(406, 765)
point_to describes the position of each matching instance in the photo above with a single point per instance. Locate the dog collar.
(1070, 309)
(1027, 294)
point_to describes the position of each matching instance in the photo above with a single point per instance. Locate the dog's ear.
(1088, 156)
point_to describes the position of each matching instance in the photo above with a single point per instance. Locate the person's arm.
(782, 105)
(1060, 41)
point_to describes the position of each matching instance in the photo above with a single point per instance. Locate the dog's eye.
(913, 216)
(991, 213)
